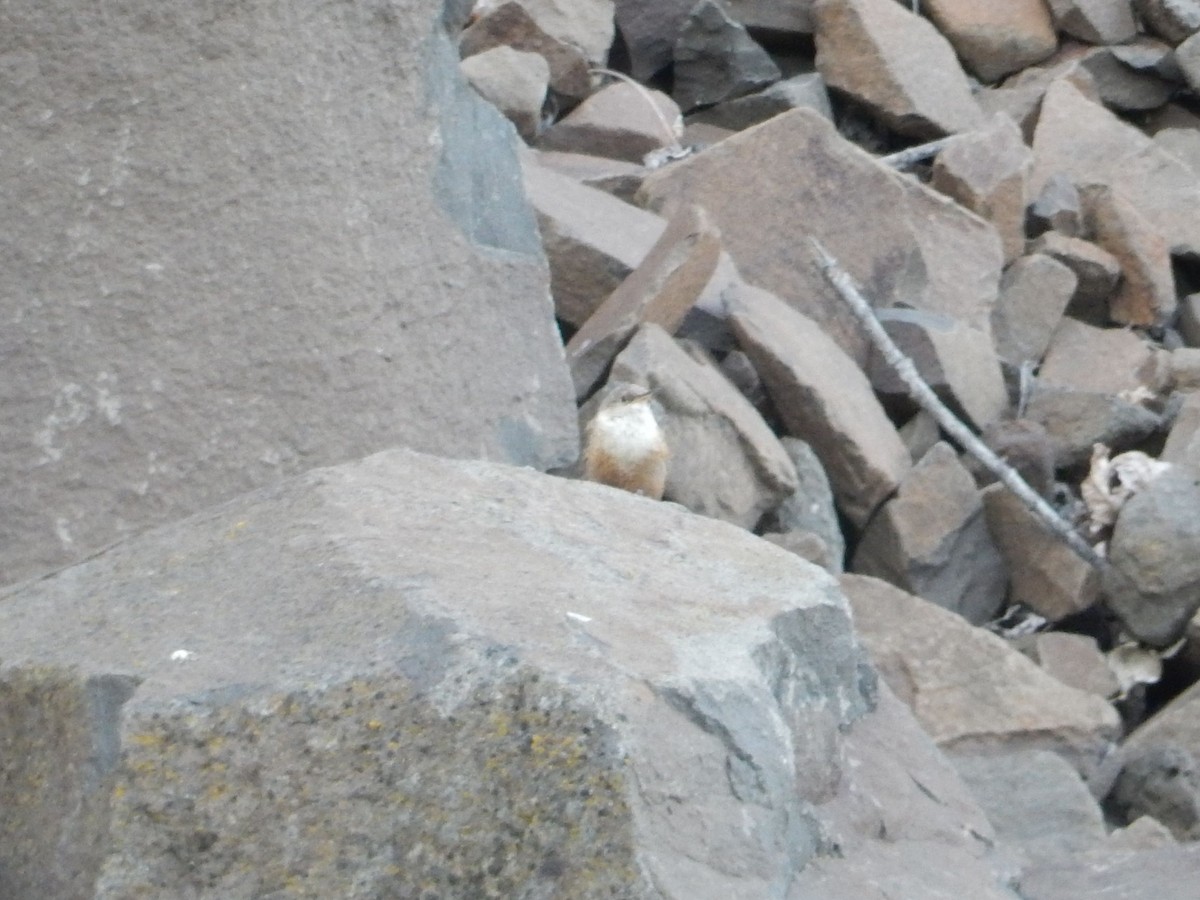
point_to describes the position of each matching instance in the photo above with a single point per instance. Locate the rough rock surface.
(896, 64)
(1034, 294)
(810, 508)
(805, 90)
(512, 81)
(902, 241)
(824, 399)
(244, 244)
(715, 59)
(617, 121)
(968, 688)
(932, 540)
(511, 25)
(1095, 21)
(1166, 873)
(995, 39)
(412, 674)
(1096, 272)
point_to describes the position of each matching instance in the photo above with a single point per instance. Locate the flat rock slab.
(971, 690)
(900, 240)
(412, 674)
(1167, 873)
(245, 244)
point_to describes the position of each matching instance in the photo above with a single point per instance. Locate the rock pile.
(1034, 258)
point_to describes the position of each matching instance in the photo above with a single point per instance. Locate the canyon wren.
(625, 447)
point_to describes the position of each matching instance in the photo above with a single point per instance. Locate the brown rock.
(511, 25)
(995, 39)
(660, 291)
(1095, 21)
(1034, 293)
(1103, 360)
(1046, 575)
(957, 361)
(592, 240)
(933, 256)
(968, 688)
(1086, 142)
(586, 24)
(1096, 272)
(824, 399)
(512, 81)
(1020, 97)
(986, 171)
(725, 462)
(1057, 208)
(1075, 420)
(807, 545)
(931, 540)
(617, 121)
(613, 176)
(1146, 293)
(806, 90)
(1023, 444)
(896, 64)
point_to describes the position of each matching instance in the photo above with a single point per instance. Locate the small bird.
(625, 446)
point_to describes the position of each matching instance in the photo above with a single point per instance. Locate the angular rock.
(901, 241)
(1034, 294)
(968, 688)
(250, 240)
(823, 399)
(511, 25)
(1189, 319)
(613, 176)
(1020, 97)
(1057, 208)
(1025, 446)
(1123, 88)
(1075, 660)
(412, 675)
(1076, 420)
(1046, 575)
(1146, 293)
(649, 31)
(1167, 873)
(783, 17)
(1184, 369)
(1095, 21)
(592, 240)
(1187, 55)
(1036, 801)
(896, 64)
(1171, 20)
(1153, 583)
(715, 59)
(1163, 781)
(617, 121)
(1103, 360)
(1182, 143)
(931, 540)
(807, 545)
(958, 362)
(661, 290)
(810, 508)
(1183, 440)
(919, 434)
(1096, 271)
(1151, 56)
(806, 90)
(1144, 833)
(986, 171)
(995, 39)
(725, 461)
(1081, 139)
(513, 82)
(586, 24)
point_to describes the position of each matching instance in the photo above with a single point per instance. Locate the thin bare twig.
(923, 394)
(902, 159)
(667, 127)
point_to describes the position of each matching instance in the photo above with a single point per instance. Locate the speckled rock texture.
(412, 677)
(238, 243)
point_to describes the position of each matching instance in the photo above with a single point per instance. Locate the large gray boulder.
(412, 677)
(240, 244)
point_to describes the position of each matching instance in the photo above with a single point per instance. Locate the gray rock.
(1163, 781)
(725, 462)
(1183, 440)
(246, 243)
(1168, 873)
(1036, 801)
(1171, 20)
(715, 59)
(1153, 584)
(823, 399)
(968, 688)
(621, 121)
(512, 81)
(932, 540)
(1096, 272)
(1034, 294)
(414, 675)
(789, 18)
(811, 507)
(649, 31)
(1056, 208)
(995, 39)
(900, 240)
(1076, 349)
(586, 24)
(1075, 660)
(1095, 21)
(806, 90)
(1189, 319)
(807, 545)
(1076, 420)
(1123, 88)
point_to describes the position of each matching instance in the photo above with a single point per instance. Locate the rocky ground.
(239, 659)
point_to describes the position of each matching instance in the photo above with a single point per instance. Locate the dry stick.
(902, 159)
(924, 395)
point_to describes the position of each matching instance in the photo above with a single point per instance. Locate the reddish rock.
(621, 121)
(896, 64)
(1103, 360)
(586, 24)
(995, 39)
(1096, 272)
(511, 25)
